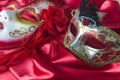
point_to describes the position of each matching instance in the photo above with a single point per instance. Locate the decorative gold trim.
(22, 31)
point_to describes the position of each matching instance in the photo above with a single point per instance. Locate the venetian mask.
(92, 43)
(16, 24)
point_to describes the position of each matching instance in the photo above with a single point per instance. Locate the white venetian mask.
(13, 28)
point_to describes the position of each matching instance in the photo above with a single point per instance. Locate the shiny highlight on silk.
(49, 59)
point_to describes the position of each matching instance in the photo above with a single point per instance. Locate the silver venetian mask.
(95, 45)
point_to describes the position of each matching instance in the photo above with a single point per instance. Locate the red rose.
(55, 19)
(58, 2)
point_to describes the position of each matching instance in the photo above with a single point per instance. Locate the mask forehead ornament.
(91, 42)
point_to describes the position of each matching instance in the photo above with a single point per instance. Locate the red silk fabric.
(49, 60)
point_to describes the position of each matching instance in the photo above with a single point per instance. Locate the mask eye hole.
(88, 21)
(85, 22)
(73, 29)
(1, 26)
(5, 18)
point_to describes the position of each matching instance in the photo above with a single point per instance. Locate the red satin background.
(52, 61)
